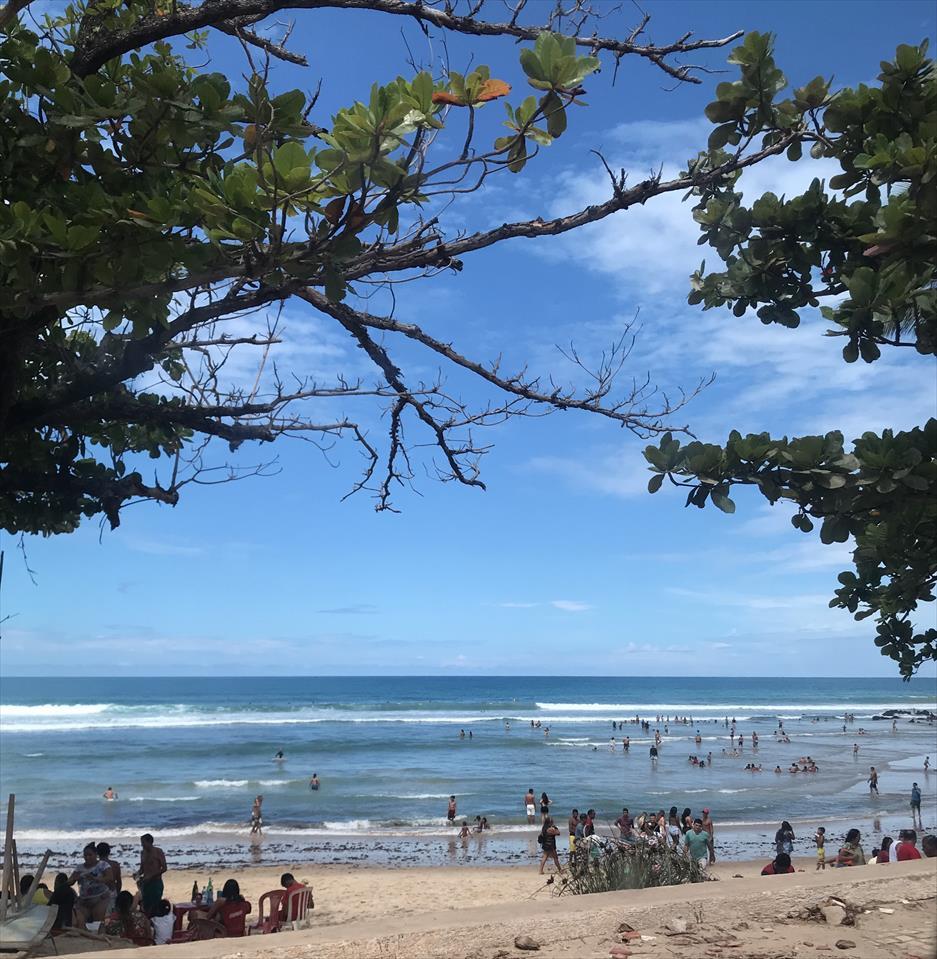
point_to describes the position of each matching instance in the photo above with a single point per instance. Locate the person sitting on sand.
(851, 853)
(907, 846)
(547, 842)
(289, 909)
(94, 890)
(128, 921)
(231, 909)
(929, 846)
(40, 896)
(884, 852)
(163, 922)
(63, 897)
(780, 865)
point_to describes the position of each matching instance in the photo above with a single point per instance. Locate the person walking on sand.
(697, 845)
(820, 840)
(530, 806)
(451, 810)
(547, 842)
(916, 806)
(784, 838)
(873, 781)
(257, 819)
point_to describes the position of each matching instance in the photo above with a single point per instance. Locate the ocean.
(186, 757)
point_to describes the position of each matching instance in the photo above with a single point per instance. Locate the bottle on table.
(209, 893)
(195, 892)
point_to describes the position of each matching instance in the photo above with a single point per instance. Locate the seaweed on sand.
(604, 865)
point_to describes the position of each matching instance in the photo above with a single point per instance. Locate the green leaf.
(555, 114)
(654, 483)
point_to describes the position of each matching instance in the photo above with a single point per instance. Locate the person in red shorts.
(907, 846)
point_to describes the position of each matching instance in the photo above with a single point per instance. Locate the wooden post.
(7, 856)
(16, 875)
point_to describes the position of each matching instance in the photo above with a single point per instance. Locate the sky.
(564, 565)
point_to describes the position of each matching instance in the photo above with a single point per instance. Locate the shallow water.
(186, 757)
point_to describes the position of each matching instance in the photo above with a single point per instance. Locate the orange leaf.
(333, 210)
(138, 214)
(492, 89)
(450, 98)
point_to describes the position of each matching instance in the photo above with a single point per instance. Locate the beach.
(187, 758)
(452, 913)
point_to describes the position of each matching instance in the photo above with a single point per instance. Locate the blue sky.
(565, 565)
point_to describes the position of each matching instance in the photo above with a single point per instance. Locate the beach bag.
(540, 839)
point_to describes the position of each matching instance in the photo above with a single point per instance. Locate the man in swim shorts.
(152, 869)
(450, 812)
(530, 806)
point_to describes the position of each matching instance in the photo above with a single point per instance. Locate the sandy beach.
(477, 914)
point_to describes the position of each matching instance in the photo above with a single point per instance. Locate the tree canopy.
(156, 215)
(866, 244)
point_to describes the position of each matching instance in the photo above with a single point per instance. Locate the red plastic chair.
(268, 919)
(298, 903)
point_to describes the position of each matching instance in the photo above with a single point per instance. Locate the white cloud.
(512, 605)
(570, 605)
(158, 548)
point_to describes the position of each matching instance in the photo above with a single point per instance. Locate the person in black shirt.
(64, 897)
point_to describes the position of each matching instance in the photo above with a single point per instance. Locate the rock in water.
(525, 942)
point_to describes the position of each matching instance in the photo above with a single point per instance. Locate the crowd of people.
(101, 900)
(93, 898)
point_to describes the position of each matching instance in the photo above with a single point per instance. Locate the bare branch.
(97, 46)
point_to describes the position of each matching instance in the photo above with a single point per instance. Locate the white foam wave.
(276, 782)
(726, 709)
(8, 711)
(163, 798)
(428, 796)
(33, 755)
(220, 783)
(732, 791)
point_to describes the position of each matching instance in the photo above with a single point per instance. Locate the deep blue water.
(186, 756)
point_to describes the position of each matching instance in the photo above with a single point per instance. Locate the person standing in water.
(873, 781)
(257, 822)
(314, 782)
(109, 794)
(451, 811)
(530, 806)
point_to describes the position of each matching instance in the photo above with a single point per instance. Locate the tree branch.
(97, 46)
